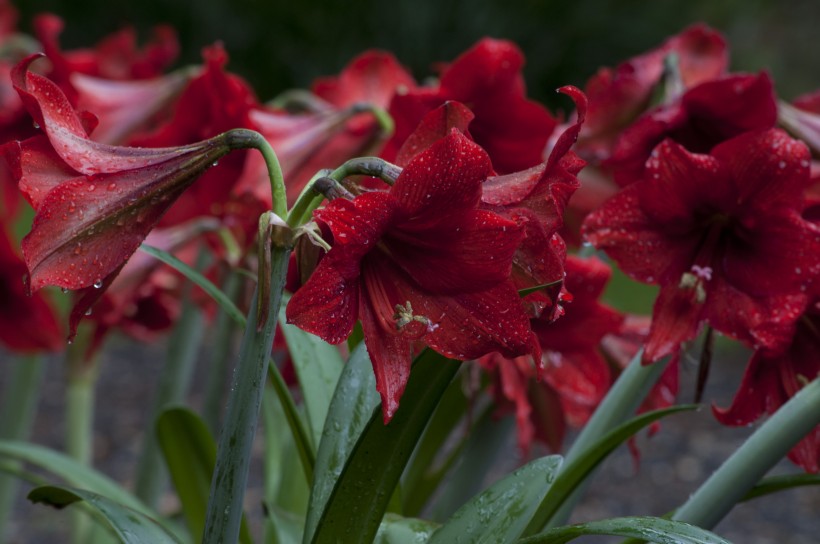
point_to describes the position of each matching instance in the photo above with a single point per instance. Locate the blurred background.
(280, 44)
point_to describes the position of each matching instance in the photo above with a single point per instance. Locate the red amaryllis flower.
(536, 199)
(574, 366)
(214, 102)
(704, 116)
(721, 234)
(115, 57)
(94, 203)
(27, 323)
(487, 79)
(125, 107)
(419, 263)
(336, 128)
(618, 96)
(774, 377)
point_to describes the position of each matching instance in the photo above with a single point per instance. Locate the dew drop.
(98, 284)
(64, 290)
(36, 125)
(215, 163)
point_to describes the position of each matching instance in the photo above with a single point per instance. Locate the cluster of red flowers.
(689, 186)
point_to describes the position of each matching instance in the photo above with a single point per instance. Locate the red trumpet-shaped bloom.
(721, 234)
(487, 79)
(772, 378)
(420, 262)
(94, 203)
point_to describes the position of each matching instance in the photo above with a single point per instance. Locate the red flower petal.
(472, 251)
(52, 111)
(446, 177)
(769, 169)
(373, 77)
(436, 125)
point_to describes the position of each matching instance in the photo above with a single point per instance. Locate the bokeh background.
(281, 44)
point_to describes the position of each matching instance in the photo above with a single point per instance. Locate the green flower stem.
(308, 200)
(623, 398)
(386, 124)
(747, 465)
(241, 138)
(224, 330)
(367, 166)
(230, 476)
(19, 404)
(80, 398)
(174, 382)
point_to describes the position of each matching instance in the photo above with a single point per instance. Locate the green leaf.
(423, 474)
(486, 442)
(529, 290)
(501, 513)
(74, 473)
(353, 405)
(400, 530)
(576, 470)
(190, 453)
(131, 526)
(318, 366)
(774, 484)
(658, 530)
(359, 499)
(284, 527)
(204, 283)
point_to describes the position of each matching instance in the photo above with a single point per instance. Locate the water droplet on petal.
(98, 284)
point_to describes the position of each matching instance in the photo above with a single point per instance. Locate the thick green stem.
(174, 382)
(19, 404)
(623, 398)
(309, 199)
(80, 396)
(368, 166)
(244, 139)
(224, 330)
(233, 454)
(747, 465)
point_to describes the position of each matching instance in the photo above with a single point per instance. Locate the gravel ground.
(688, 448)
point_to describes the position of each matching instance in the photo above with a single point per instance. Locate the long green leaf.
(774, 484)
(501, 513)
(204, 283)
(131, 526)
(224, 516)
(485, 444)
(359, 499)
(423, 475)
(318, 366)
(74, 473)
(190, 453)
(658, 530)
(575, 470)
(351, 409)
